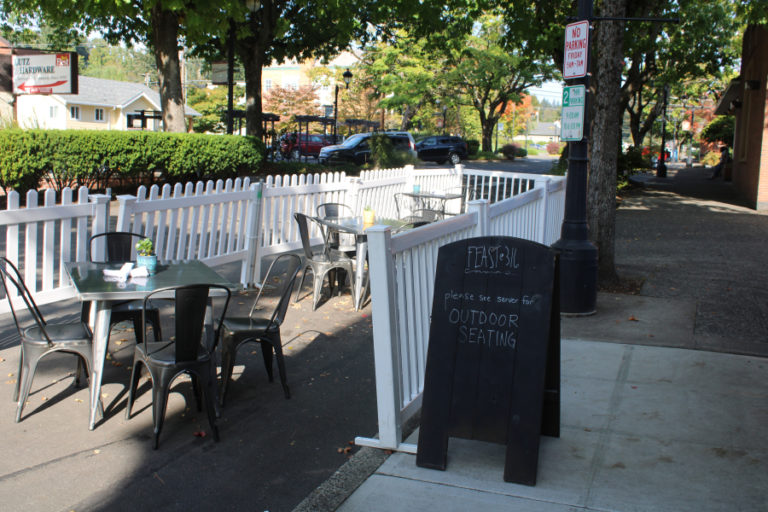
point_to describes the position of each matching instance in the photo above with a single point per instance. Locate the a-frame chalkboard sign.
(493, 362)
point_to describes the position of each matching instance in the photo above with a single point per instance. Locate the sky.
(551, 91)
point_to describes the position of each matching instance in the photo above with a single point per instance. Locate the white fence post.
(480, 206)
(250, 271)
(541, 229)
(124, 212)
(100, 222)
(352, 195)
(386, 347)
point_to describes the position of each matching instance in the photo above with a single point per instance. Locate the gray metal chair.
(411, 213)
(344, 242)
(40, 338)
(261, 328)
(321, 264)
(119, 246)
(191, 351)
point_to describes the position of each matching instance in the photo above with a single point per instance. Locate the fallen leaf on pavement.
(633, 319)
(200, 433)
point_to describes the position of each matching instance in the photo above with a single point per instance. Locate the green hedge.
(93, 158)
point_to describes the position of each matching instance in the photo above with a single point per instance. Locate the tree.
(701, 46)
(719, 130)
(516, 116)
(289, 103)
(606, 138)
(491, 71)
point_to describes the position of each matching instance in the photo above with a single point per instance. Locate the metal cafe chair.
(119, 249)
(320, 264)
(264, 329)
(417, 216)
(343, 242)
(40, 338)
(191, 351)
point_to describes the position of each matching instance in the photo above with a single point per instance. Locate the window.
(53, 112)
(98, 115)
(74, 113)
(267, 84)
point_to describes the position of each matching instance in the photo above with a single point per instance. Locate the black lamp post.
(578, 256)
(661, 169)
(347, 76)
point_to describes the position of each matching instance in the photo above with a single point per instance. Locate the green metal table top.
(88, 279)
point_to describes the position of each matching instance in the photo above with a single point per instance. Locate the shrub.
(94, 158)
(521, 152)
(510, 151)
(486, 155)
(384, 155)
(473, 146)
(632, 160)
(554, 148)
(711, 159)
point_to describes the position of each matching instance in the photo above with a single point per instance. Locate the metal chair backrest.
(119, 246)
(292, 265)
(400, 204)
(302, 221)
(334, 210)
(190, 303)
(9, 272)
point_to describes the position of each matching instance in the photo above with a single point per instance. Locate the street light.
(347, 76)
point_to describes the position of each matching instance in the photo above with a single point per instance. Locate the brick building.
(746, 98)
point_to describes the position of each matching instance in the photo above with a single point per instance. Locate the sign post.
(48, 73)
(578, 256)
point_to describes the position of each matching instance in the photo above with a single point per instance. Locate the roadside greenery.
(97, 159)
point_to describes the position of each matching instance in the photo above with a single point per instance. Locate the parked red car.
(294, 145)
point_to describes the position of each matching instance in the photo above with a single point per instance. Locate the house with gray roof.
(100, 105)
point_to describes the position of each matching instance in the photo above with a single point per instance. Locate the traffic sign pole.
(578, 256)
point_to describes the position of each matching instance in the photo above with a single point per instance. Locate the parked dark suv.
(441, 149)
(355, 149)
(293, 146)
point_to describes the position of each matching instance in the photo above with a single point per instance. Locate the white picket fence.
(216, 222)
(40, 238)
(402, 272)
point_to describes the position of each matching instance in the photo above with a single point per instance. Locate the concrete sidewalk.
(643, 428)
(664, 393)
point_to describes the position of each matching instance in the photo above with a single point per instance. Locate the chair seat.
(237, 325)
(163, 353)
(74, 334)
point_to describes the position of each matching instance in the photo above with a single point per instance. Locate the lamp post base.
(578, 277)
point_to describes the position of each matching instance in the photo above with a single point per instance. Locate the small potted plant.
(145, 255)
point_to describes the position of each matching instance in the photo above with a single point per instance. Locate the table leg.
(362, 251)
(101, 312)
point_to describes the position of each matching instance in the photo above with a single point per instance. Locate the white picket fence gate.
(402, 273)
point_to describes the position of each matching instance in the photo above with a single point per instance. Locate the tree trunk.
(487, 124)
(253, 61)
(606, 126)
(165, 32)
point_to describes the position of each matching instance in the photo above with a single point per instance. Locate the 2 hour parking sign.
(572, 122)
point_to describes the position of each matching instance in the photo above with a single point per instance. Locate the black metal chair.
(40, 337)
(190, 351)
(320, 264)
(119, 248)
(261, 328)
